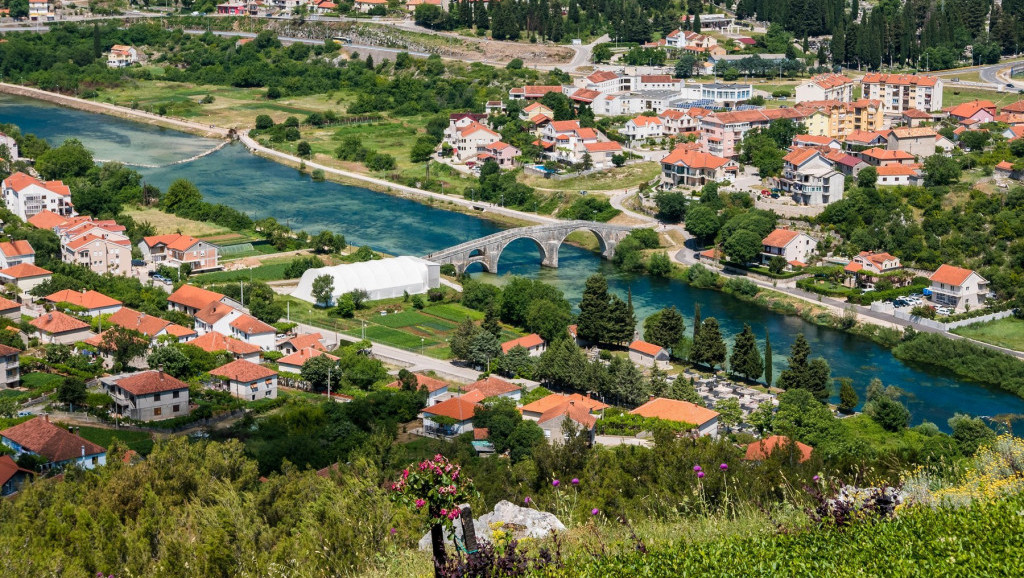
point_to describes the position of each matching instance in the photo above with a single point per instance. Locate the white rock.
(521, 522)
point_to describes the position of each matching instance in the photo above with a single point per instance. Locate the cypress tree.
(490, 323)
(621, 324)
(708, 346)
(480, 16)
(746, 358)
(592, 322)
(848, 397)
(769, 370)
(696, 23)
(696, 321)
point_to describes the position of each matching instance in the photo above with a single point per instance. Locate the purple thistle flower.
(816, 478)
(527, 500)
(575, 481)
(555, 483)
(595, 512)
(723, 467)
(700, 474)
(696, 468)
(393, 531)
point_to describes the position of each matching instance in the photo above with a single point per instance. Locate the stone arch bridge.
(487, 250)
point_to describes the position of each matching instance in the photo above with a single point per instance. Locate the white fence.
(888, 309)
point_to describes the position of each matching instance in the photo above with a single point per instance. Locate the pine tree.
(490, 323)
(769, 369)
(746, 358)
(696, 321)
(696, 23)
(709, 347)
(621, 326)
(664, 328)
(594, 309)
(480, 18)
(686, 23)
(848, 398)
(803, 373)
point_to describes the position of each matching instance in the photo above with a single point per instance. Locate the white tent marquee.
(381, 279)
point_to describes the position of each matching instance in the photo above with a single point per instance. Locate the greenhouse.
(381, 279)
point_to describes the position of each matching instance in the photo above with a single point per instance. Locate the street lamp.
(421, 346)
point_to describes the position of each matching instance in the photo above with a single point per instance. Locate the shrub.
(263, 122)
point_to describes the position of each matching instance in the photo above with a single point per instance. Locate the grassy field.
(953, 94)
(141, 442)
(166, 223)
(1007, 333)
(618, 178)
(41, 382)
(269, 271)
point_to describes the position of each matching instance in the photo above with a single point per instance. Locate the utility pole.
(241, 289)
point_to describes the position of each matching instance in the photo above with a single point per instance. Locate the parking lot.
(918, 300)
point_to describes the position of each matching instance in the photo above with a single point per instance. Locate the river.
(399, 226)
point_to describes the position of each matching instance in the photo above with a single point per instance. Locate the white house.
(961, 289)
(643, 128)
(704, 419)
(496, 387)
(469, 140)
(826, 87)
(217, 316)
(213, 341)
(436, 389)
(16, 252)
(247, 328)
(121, 56)
(681, 121)
(450, 417)
(149, 325)
(25, 196)
(93, 302)
(648, 354)
(293, 363)
(190, 300)
(25, 276)
(175, 250)
(554, 424)
(147, 395)
(58, 327)
(57, 445)
(533, 344)
(11, 144)
(247, 380)
(795, 247)
(899, 92)
(898, 175)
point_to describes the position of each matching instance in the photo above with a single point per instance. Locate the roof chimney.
(47, 416)
(83, 452)
(650, 397)
(71, 430)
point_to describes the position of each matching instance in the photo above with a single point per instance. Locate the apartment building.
(900, 92)
(26, 195)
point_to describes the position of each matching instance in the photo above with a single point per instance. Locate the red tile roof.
(852, 267)
(875, 78)
(457, 408)
(481, 433)
(16, 248)
(761, 449)
(950, 275)
(56, 322)
(20, 180)
(46, 439)
(46, 219)
(243, 371)
(6, 304)
(303, 355)
(214, 341)
(585, 95)
(885, 155)
(194, 297)
(173, 241)
(602, 76)
(830, 80)
(780, 238)
(577, 413)
(1005, 165)
(694, 159)
(527, 341)
(657, 79)
(214, 312)
(813, 139)
(249, 325)
(969, 109)
(9, 468)
(862, 136)
(426, 381)
(88, 299)
(799, 155)
(675, 410)
(646, 348)
(556, 399)
(602, 147)
(148, 325)
(565, 125)
(920, 114)
(493, 386)
(24, 271)
(305, 340)
(897, 171)
(147, 382)
(1014, 107)
(918, 132)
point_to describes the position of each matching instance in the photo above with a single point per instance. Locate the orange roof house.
(492, 386)
(213, 341)
(539, 407)
(780, 237)
(704, 419)
(93, 302)
(532, 343)
(293, 363)
(459, 409)
(431, 384)
(761, 449)
(46, 219)
(40, 437)
(57, 327)
(191, 299)
(950, 275)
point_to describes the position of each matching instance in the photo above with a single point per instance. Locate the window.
(158, 411)
(254, 397)
(156, 397)
(176, 394)
(176, 409)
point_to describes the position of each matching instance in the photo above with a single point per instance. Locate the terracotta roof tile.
(56, 322)
(761, 449)
(46, 219)
(249, 325)
(301, 356)
(875, 78)
(16, 248)
(194, 297)
(780, 238)
(457, 408)
(46, 439)
(88, 299)
(9, 468)
(147, 325)
(694, 159)
(24, 271)
(950, 275)
(527, 341)
(432, 384)
(556, 399)
(20, 180)
(675, 410)
(493, 386)
(305, 340)
(599, 147)
(214, 312)
(214, 341)
(243, 371)
(146, 382)
(577, 413)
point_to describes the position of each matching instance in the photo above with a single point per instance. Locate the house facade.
(693, 168)
(175, 250)
(58, 446)
(93, 302)
(10, 366)
(451, 417)
(643, 128)
(189, 299)
(811, 178)
(897, 175)
(246, 380)
(500, 152)
(24, 276)
(919, 142)
(793, 246)
(900, 92)
(468, 138)
(826, 87)
(16, 252)
(533, 344)
(102, 246)
(25, 196)
(121, 56)
(961, 289)
(647, 354)
(147, 395)
(60, 328)
(722, 132)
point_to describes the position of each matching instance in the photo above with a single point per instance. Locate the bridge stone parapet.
(549, 238)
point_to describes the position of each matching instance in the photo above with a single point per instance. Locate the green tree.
(940, 170)
(516, 363)
(182, 195)
(804, 373)
(729, 412)
(664, 328)
(848, 398)
(702, 222)
(124, 345)
(18, 8)
(746, 358)
(777, 264)
(70, 159)
(708, 346)
(483, 348)
(72, 391)
(320, 372)
(969, 432)
(671, 206)
(462, 337)
(867, 177)
(304, 150)
(685, 65)
(659, 265)
(548, 319)
(601, 53)
(763, 417)
(621, 321)
(323, 290)
(888, 413)
(172, 360)
(264, 122)
(490, 323)
(696, 322)
(743, 246)
(592, 323)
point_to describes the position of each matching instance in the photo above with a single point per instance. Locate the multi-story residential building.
(826, 87)
(121, 56)
(25, 276)
(688, 39)
(693, 168)
(860, 140)
(959, 288)
(151, 326)
(682, 121)
(246, 380)
(793, 246)
(878, 157)
(40, 10)
(900, 92)
(147, 395)
(536, 113)
(868, 268)
(836, 119)
(56, 445)
(727, 94)
(896, 175)
(102, 246)
(919, 141)
(721, 133)
(175, 250)
(11, 144)
(16, 252)
(247, 328)
(500, 152)
(190, 300)
(975, 111)
(532, 92)
(811, 178)
(10, 366)
(216, 316)
(643, 128)
(25, 196)
(468, 139)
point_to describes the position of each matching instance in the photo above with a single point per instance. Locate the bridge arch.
(548, 251)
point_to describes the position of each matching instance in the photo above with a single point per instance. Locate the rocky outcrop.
(518, 521)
